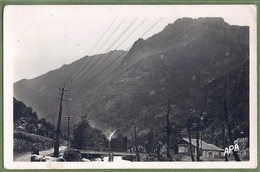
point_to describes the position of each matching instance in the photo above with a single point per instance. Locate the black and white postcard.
(130, 86)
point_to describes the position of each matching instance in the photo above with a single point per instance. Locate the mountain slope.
(42, 92)
(187, 60)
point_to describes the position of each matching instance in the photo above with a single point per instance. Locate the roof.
(205, 146)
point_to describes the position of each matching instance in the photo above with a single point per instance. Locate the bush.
(72, 155)
(148, 157)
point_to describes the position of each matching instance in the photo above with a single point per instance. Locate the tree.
(189, 125)
(120, 142)
(158, 147)
(80, 135)
(228, 135)
(150, 142)
(84, 136)
(199, 127)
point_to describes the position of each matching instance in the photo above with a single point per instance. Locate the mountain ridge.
(174, 63)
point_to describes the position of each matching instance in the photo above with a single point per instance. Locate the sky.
(38, 39)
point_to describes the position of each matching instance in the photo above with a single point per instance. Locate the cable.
(119, 55)
(115, 59)
(102, 71)
(152, 26)
(111, 45)
(86, 76)
(140, 37)
(89, 52)
(86, 73)
(98, 49)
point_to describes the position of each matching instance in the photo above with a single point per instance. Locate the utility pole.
(53, 131)
(136, 147)
(68, 118)
(132, 142)
(168, 130)
(57, 139)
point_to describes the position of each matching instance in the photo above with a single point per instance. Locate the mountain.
(194, 62)
(41, 93)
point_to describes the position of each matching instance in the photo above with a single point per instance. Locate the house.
(207, 150)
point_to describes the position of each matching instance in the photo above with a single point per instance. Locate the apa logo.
(234, 147)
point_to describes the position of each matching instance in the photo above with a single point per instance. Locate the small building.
(207, 150)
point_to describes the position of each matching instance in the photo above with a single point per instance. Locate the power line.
(89, 52)
(102, 71)
(98, 50)
(151, 27)
(116, 58)
(114, 50)
(101, 56)
(140, 37)
(88, 74)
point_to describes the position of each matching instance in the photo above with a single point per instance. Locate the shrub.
(72, 155)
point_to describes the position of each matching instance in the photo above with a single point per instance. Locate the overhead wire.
(89, 52)
(115, 59)
(115, 49)
(140, 37)
(92, 57)
(86, 73)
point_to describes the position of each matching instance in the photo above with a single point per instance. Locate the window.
(182, 148)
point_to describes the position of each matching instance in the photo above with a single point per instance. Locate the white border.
(252, 163)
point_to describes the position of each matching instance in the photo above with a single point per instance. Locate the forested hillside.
(29, 130)
(201, 65)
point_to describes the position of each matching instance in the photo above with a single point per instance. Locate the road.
(27, 156)
(106, 153)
